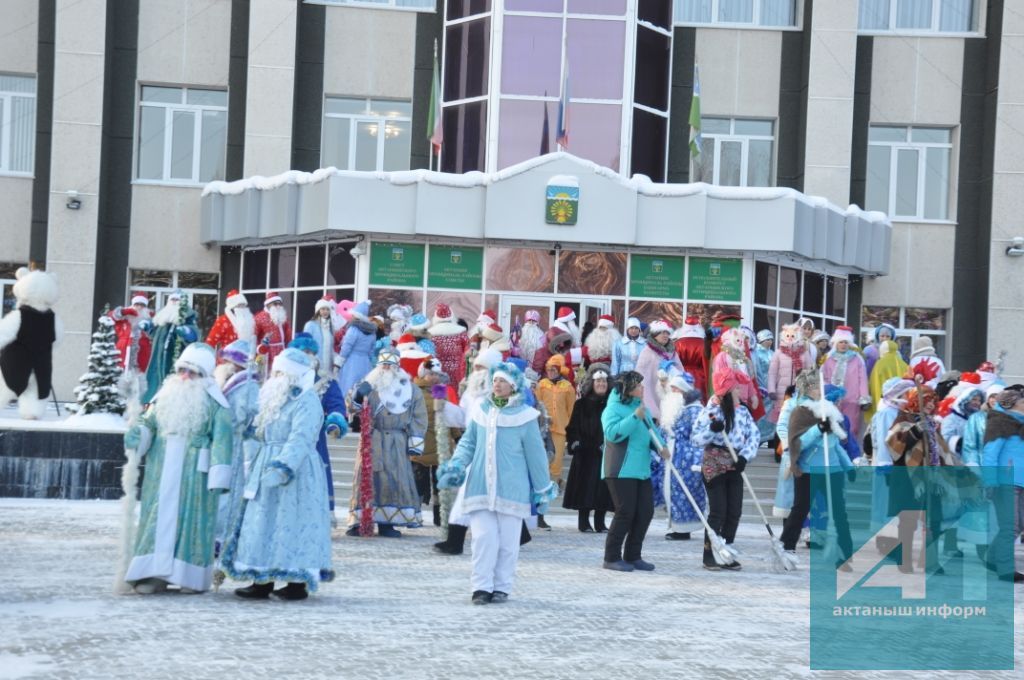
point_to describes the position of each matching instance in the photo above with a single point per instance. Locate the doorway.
(514, 307)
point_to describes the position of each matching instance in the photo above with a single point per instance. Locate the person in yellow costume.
(889, 365)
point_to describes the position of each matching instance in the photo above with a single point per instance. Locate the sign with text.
(656, 276)
(715, 279)
(455, 267)
(396, 264)
(890, 588)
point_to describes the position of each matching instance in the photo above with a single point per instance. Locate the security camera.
(74, 203)
(1017, 249)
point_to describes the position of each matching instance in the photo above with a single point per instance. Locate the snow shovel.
(722, 552)
(831, 545)
(781, 560)
(129, 480)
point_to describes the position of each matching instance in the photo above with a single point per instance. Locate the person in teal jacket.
(1004, 448)
(626, 469)
(502, 461)
(812, 423)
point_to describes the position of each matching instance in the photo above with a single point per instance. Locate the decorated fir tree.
(97, 390)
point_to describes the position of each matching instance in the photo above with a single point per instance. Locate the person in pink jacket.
(845, 368)
(659, 354)
(792, 355)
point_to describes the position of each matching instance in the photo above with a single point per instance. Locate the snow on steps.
(763, 473)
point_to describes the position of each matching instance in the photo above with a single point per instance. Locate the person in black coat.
(584, 436)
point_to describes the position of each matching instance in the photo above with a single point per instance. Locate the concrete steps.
(763, 473)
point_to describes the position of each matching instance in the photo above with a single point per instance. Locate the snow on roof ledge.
(641, 184)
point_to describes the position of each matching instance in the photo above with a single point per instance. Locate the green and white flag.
(695, 137)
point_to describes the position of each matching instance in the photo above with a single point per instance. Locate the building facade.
(115, 115)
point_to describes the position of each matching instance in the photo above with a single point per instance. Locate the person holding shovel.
(725, 416)
(813, 420)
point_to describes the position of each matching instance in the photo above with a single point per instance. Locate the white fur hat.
(660, 326)
(326, 302)
(632, 322)
(198, 357)
(606, 321)
(488, 358)
(692, 328)
(842, 333)
(139, 299)
(234, 299)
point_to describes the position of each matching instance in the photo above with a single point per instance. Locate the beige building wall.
(16, 222)
(75, 164)
(739, 72)
(18, 52)
(369, 52)
(1006, 274)
(829, 140)
(18, 46)
(918, 81)
(269, 87)
(184, 42)
(165, 231)
(181, 43)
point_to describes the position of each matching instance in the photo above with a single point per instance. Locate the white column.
(1006, 292)
(269, 87)
(833, 59)
(75, 166)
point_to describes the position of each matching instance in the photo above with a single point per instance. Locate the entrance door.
(514, 308)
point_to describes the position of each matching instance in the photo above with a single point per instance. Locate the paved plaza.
(397, 610)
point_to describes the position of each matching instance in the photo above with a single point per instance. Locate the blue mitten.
(544, 497)
(133, 437)
(274, 476)
(362, 391)
(450, 475)
(146, 326)
(187, 333)
(336, 425)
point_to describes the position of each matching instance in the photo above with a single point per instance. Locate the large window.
(182, 135)
(17, 124)
(200, 289)
(300, 275)
(910, 324)
(784, 294)
(366, 134)
(542, 37)
(908, 172)
(736, 153)
(420, 5)
(733, 12)
(917, 16)
(465, 85)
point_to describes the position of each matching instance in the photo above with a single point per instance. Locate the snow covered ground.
(397, 610)
(94, 422)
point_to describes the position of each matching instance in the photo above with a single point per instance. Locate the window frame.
(914, 333)
(921, 149)
(731, 136)
(7, 98)
(160, 293)
(754, 24)
(354, 120)
(777, 308)
(197, 111)
(369, 4)
(934, 31)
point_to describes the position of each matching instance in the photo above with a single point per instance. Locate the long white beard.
(169, 314)
(273, 395)
(672, 405)
(530, 341)
(278, 315)
(382, 380)
(574, 331)
(243, 322)
(600, 342)
(223, 373)
(181, 406)
(476, 383)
